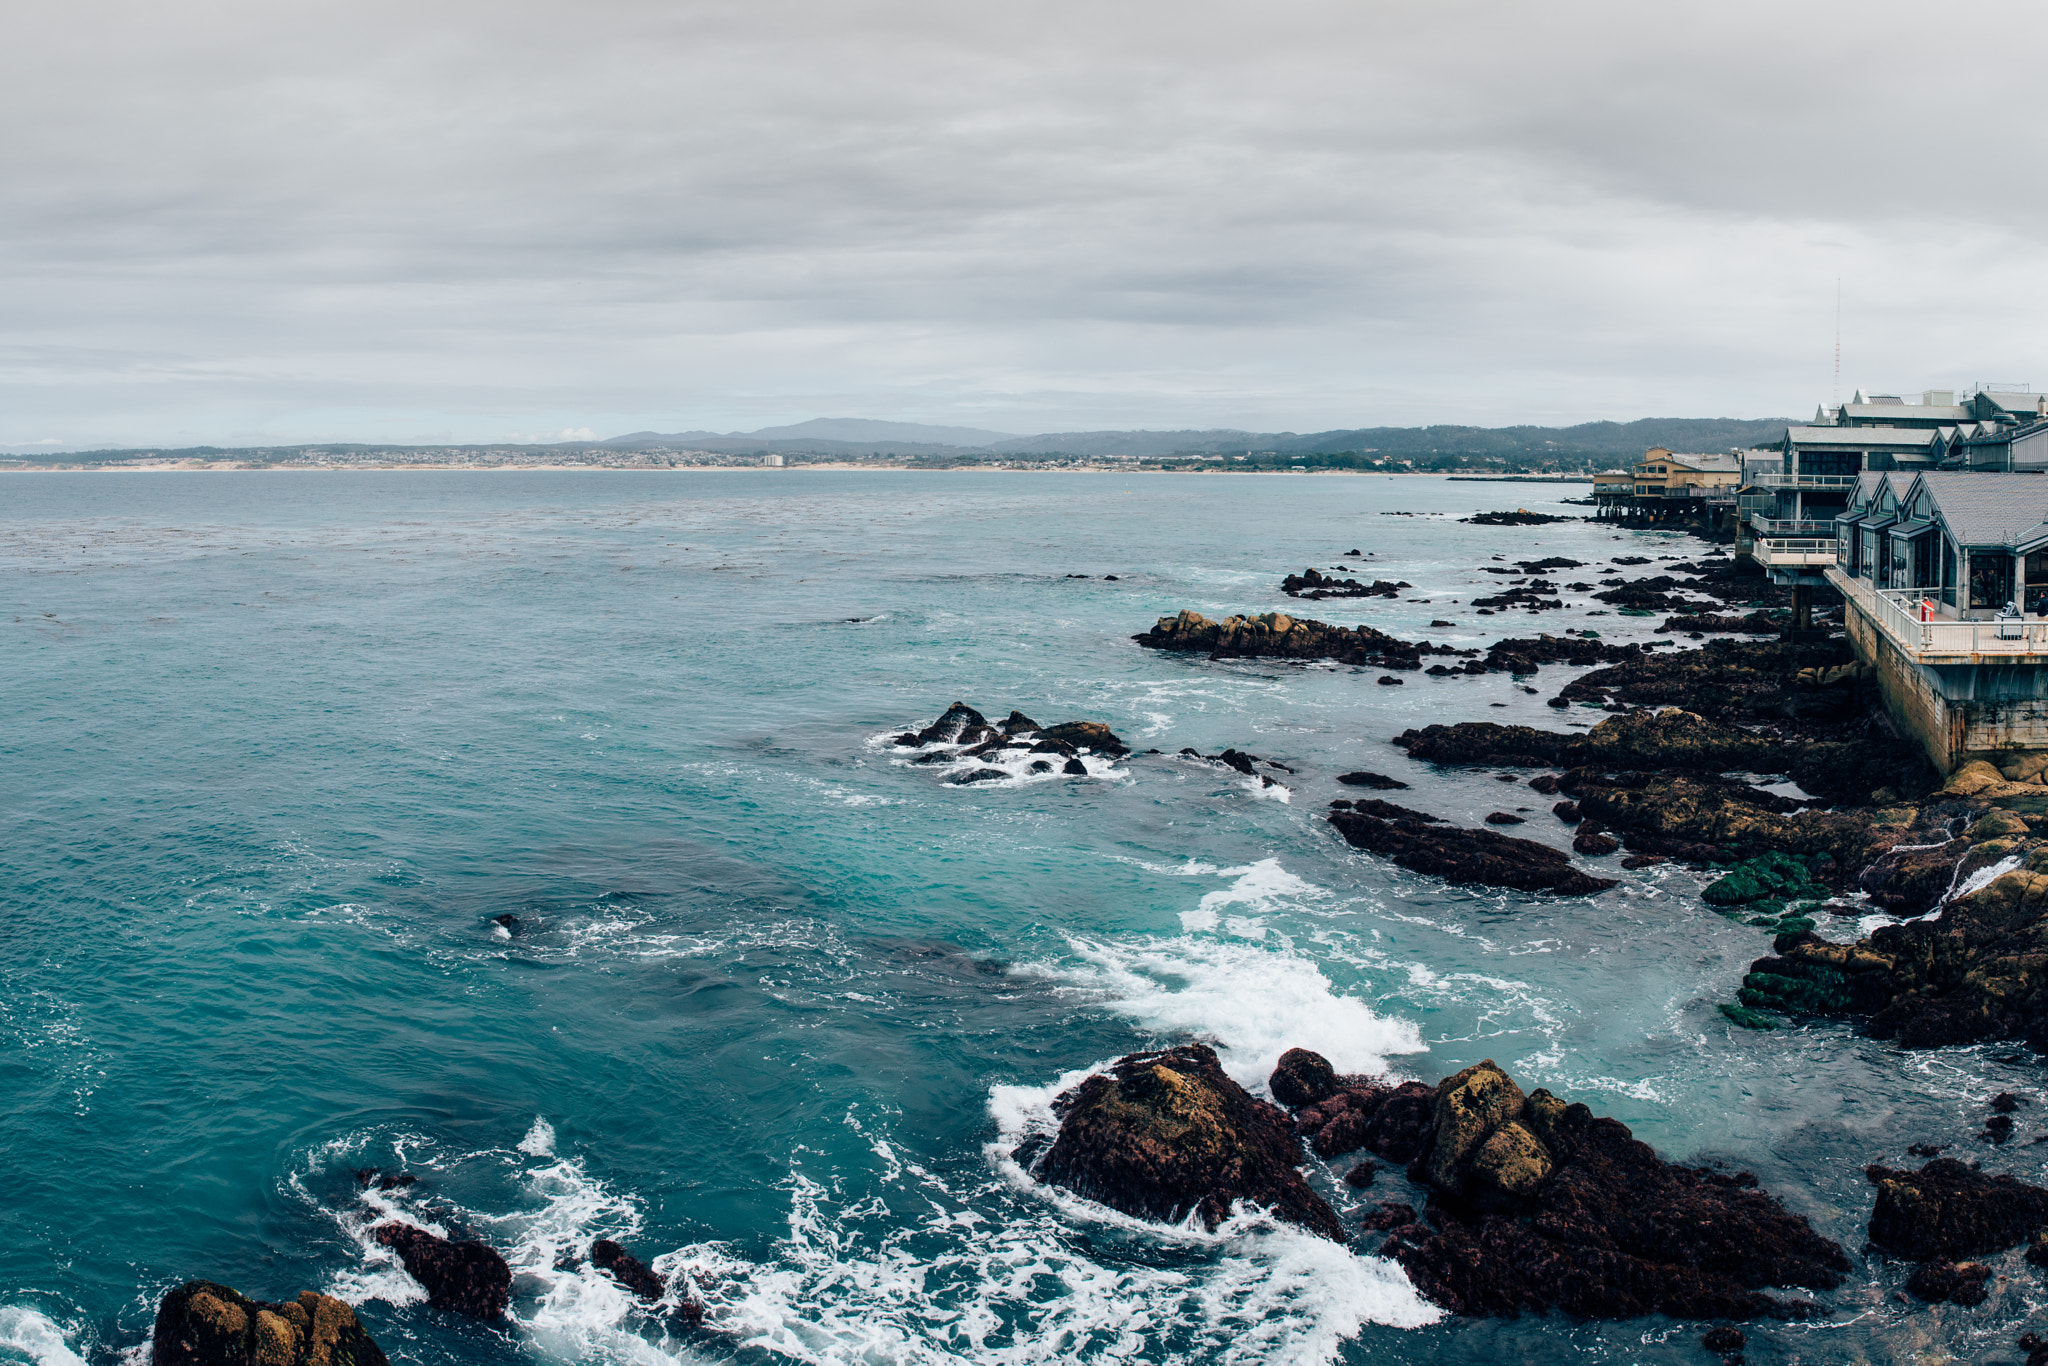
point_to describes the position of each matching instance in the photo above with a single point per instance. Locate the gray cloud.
(373, 220)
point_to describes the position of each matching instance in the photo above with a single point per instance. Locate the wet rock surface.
(465, 1278)
(1978, 971)
(1315, 585)
(1276, 635)
(1160, 1135)
(1949, 1210)
(201, 1323)
(1424, 844)
(1537, 1204)
(1671, 739)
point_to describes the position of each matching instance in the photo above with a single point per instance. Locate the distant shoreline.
(233, 467)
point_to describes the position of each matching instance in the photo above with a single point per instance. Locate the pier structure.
(1943, 576)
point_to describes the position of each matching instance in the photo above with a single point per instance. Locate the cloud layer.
(230, 221)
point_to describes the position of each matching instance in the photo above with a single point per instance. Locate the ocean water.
(278, 747)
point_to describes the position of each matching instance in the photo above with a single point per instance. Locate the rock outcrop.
(1423, 844)
(1276, 635)
(1536, 1204)
(204, 1324)
(465, 1278)
(1949, 1210)
(1671, 740)
(1977, 971)
(1164, 1134)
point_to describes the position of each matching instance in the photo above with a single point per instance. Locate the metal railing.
(1806, 481)
(1898, 613)
(1786, 526)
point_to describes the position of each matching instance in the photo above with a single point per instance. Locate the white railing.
(1806, 481)
(1785, 526)
(1898, 612)
(1790, 550)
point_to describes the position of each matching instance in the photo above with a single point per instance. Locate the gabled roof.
(1908, 412)
(1989, 509)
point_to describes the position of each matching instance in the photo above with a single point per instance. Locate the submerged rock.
(1164, 1134)
(1423, 845)
(204, 1324)
(467, 1278)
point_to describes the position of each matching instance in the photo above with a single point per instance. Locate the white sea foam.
(1253, 1001)
(539, 1140)
(35, 1335)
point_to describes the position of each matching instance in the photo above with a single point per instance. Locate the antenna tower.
(1836, 396)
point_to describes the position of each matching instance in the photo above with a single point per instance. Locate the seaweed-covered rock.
(1949, 1210)
(1977, 971)
(1162, 1134)
(467, 1278)
(204, 1324)
(1466, 856)
(628, 1270)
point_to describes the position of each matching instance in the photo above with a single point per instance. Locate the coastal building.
(1944, 580)
(1668, 483)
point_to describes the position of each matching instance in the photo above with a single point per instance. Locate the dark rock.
(1466, 856)
(1519, 517)
(1074, 768)
(201, 1323)
(1387, 811)
(1568, 812)
(1379, 781)
(1389, 681)
(1962, 1282)
(1440, 623)
(2035, 1348)
(1539, 1205)
(907, 738)
(957, 725)
(1927, 1149)
(1546, 783)
(1637, 861)
(1313, 583)
(509, 923)
(1041, 766)
(1997, 1129)
(1302, 1078)
(468, 1278)
(1724, 1340)
(1242, 762)
(1361, 1176)
(1087, 735)
(1670, 740)
(1059, 747)
(635, 1275)
(1503, 818)
(1162, 1134)
(2005, 1102)
(1017, 723)
(1594, 843)
(1276, 635)
(981, 775)
(1948, 1210)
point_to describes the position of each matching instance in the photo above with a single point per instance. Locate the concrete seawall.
(1957, 711)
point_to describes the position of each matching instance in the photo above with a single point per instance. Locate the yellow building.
(1667, 474)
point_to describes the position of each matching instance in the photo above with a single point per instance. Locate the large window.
(1925, 570)
(2037, 583)
(1990, 579)
(1948, 573)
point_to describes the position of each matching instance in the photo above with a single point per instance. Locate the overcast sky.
(239, 222)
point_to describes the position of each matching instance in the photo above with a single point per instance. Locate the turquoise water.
(279, 747)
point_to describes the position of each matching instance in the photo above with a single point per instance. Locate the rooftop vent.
(1938, 398)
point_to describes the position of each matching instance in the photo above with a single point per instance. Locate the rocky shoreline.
(1763, 761)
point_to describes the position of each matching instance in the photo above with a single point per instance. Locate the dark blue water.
(279, 747)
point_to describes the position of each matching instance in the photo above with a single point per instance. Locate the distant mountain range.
(861, 436)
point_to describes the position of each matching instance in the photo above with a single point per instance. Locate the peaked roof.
(1989, 509)
(1859, 438)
